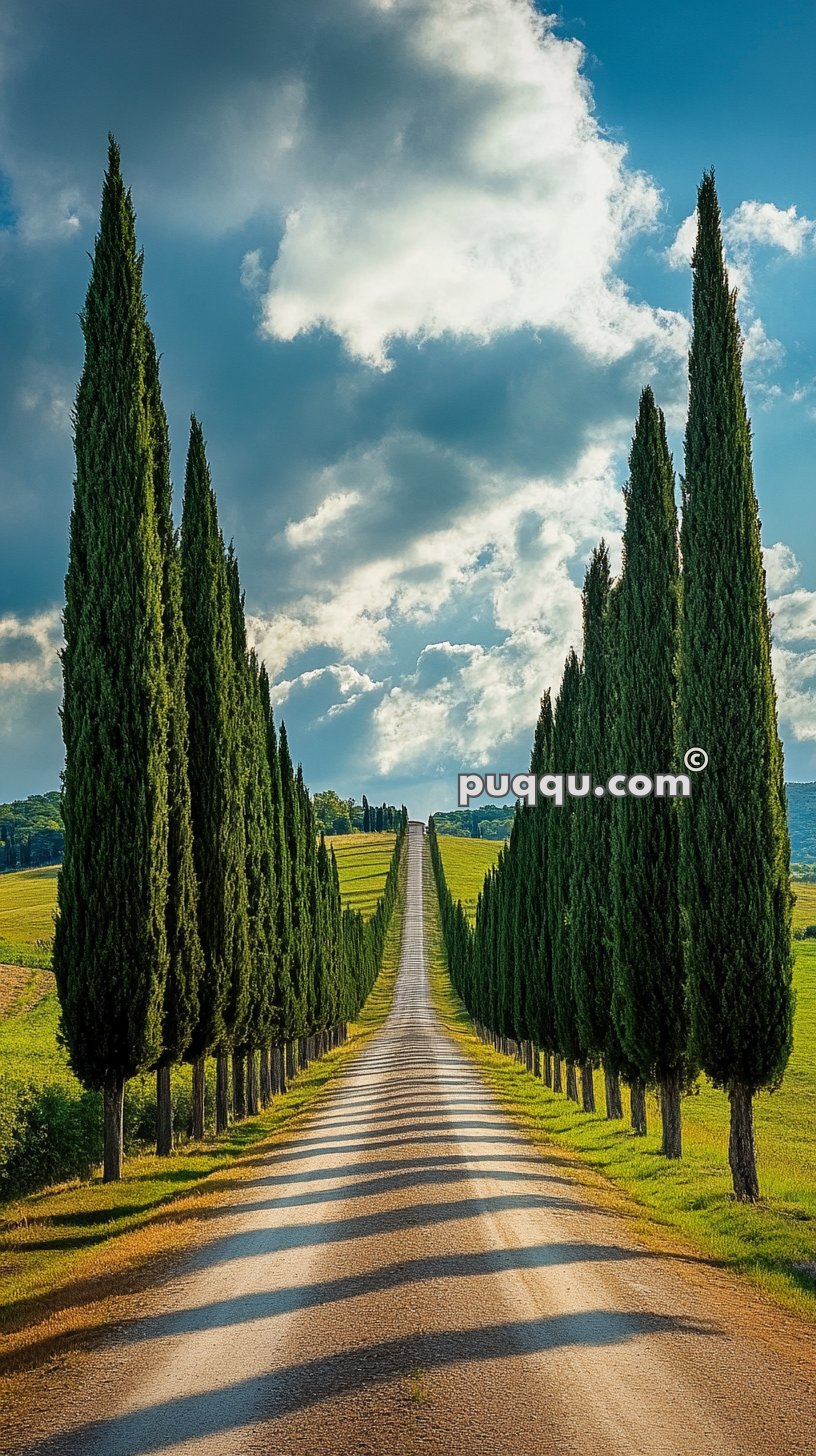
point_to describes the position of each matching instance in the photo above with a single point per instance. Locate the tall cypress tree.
(559, 876)
(298, 906)
(589, 884)
(215, 788)
(649, 975)
(256, 947)
(185, 964)
(541, 1010)
(734, 846)
(283, 882)
(110, 951)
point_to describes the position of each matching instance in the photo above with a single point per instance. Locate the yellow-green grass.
(27, 902)
(466, 862)
(69, 1253)
(773, 1242)
(363, 861)
(804, 906)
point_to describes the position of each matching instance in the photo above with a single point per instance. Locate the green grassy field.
(27, 902)
(775, 1241)
(67, 1254)
(362, 864)
(466, 862)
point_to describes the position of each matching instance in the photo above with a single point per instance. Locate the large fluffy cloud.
(485, 196)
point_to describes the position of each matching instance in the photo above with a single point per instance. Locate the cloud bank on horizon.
(414, 286)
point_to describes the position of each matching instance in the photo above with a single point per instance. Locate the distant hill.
(802, 822)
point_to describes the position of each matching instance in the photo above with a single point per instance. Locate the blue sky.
(411, 263)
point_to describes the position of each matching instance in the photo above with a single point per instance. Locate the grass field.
(466, 862)
(775, 1241)
(362, 864)
(69, 1254)
(27, 902)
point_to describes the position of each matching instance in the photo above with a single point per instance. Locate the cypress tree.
(559, 876)
(299, 915)
(589, 883)
(734, 846)
(366, 816)
(110, 951)
(216, 791)
(283, 882)
(649, 975)
(541, 1011)
(185, 960)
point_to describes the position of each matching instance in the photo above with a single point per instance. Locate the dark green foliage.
(215, 772)
(540, 1007)
(31, 830)
(734, 848)
(589, 892)
(559, 869)
(259, 1023)
(185, 959)
(110, 952)
(649, 976)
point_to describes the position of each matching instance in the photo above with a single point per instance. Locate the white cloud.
(678, 255)
(781, 567)
(28, 653)
(770, 226)
(351, 684)
(519, 221)
(314, 527)
(794, 622)
(514, 553)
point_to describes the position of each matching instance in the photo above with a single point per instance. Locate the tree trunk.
(587, 1087)
(672, 1145)
(114, 1104)
(164, 1113)
(253, 1098)
(280, 1068)
(199, 1094)
(221, 1092)
(612, 1092)
(239, 1108)
(546, 1069)
(266, 1077)
(290, 1061)
(741, 1149)
(557, 1081)
(637, 1094)
(572, 1082)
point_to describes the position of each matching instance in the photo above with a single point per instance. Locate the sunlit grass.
(774, 1242)
(466, 862)
(28, 899)
(362, 865)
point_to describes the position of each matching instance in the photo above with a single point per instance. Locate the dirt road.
(405, 1274)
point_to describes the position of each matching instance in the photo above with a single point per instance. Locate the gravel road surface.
(405, 1274)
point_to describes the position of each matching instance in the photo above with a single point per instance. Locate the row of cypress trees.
(653, 936)
(198, 912)
(378, 818)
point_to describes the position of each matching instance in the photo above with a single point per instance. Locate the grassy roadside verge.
(773, 1244)
(72, 1257)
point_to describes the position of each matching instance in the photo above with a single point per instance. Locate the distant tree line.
(199, 908)
(31, 832)
(345, 816)
(487, 821)
(651, 936)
